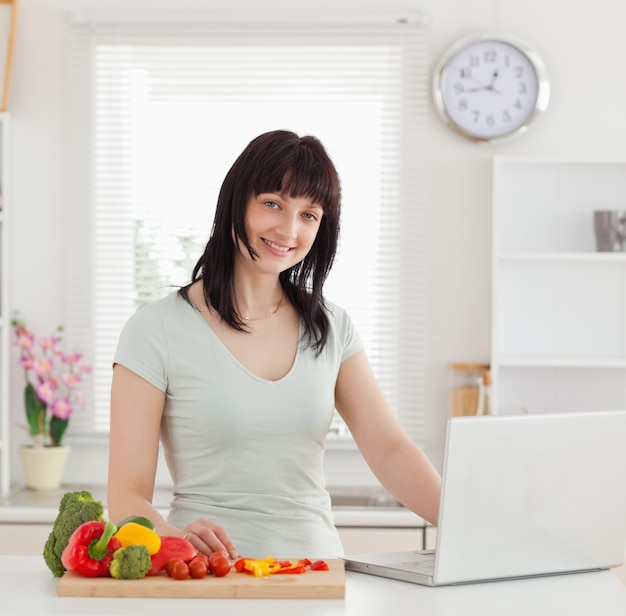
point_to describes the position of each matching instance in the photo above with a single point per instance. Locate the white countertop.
(25, 506)
(27, 587)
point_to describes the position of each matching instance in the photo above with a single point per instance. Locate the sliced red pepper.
(319, 565)
(171, 547)
(270, 566)
(294, 568)
(90, 549)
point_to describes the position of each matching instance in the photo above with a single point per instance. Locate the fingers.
(208, 537)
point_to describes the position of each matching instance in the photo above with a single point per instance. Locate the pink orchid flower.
(46, 391)
(25, 342)
(72, 358)
(61, 408)
(49, 342)
(27, 362)
(54, 376)
(70, 379)
(43, 367)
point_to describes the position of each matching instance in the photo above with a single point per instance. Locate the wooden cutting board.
(310, 585)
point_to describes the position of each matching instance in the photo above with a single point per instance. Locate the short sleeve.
(346, 332)
(142, 346)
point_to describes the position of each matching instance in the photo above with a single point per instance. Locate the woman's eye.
(310, 216)
(272, 204)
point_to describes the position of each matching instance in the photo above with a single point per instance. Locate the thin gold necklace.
(267, 316)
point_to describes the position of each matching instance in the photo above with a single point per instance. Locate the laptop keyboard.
(423, 562)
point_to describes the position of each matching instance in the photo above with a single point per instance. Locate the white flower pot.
(44, 466)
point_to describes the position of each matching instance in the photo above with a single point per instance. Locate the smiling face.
(281, 230)
(265, 219)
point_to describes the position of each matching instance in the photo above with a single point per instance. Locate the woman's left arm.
(398, 463)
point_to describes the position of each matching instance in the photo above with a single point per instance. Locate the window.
(158, 113)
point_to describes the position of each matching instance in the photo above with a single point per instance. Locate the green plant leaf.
(57, 429)
(35, 411)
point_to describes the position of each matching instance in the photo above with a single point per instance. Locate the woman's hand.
(208, 537)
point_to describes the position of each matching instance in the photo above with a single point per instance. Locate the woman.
(239, 373)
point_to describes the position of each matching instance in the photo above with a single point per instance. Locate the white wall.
(582, 44)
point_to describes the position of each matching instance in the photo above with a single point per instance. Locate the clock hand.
(485, 86)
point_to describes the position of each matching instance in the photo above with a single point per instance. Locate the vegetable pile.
(84, 543)
(128, 551)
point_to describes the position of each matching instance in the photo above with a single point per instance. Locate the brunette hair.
(278, 161)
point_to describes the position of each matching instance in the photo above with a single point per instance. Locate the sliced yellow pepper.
(132, 533)
(261, 567)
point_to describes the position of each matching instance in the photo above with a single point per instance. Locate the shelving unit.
(5, 314)
(558, 339)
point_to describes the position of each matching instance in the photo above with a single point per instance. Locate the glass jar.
(468, 389)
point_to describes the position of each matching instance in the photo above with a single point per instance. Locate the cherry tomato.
(240, 565)
(198, 567)
(202, 557)
(219, 564)
(177, 568)
(170, 564)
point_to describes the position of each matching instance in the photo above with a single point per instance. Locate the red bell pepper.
(90, 549)
(171, 547)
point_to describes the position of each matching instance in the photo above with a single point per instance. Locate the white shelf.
(558, 339)
(600, 258)
(5, 317)
(562, 362)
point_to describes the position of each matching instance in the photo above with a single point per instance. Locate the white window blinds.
(158, 112)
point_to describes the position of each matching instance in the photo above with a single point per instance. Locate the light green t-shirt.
(244, 452)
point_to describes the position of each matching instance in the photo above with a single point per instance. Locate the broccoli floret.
(131, 562)
(75, 509)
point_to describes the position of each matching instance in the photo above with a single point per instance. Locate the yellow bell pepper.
(132, 533)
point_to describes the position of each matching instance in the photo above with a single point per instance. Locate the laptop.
(522, 496)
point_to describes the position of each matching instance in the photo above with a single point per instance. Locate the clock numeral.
(490, 56)
(463, 106)
(490, 120)
(476, 115)
(465, 73)
(506, 116)
(518, 71)
(518, 103)
(522, 87)
(459, 88)
(474, 60)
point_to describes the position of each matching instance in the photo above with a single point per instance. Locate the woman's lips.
(277, 248)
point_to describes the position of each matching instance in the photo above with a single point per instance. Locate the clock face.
(489, 88)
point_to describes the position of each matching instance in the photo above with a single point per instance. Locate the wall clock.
(489, 86)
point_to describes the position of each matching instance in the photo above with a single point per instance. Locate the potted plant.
(51, 395)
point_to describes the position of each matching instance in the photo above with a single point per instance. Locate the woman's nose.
(288, 225)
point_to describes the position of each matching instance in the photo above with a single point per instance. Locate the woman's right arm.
(136, 412)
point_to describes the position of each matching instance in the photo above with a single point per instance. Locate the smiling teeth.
(276, 247)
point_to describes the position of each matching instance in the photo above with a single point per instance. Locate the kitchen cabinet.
(558, 334)
(368, 540)
(29, 539)
(23, 539)
(5, 315)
